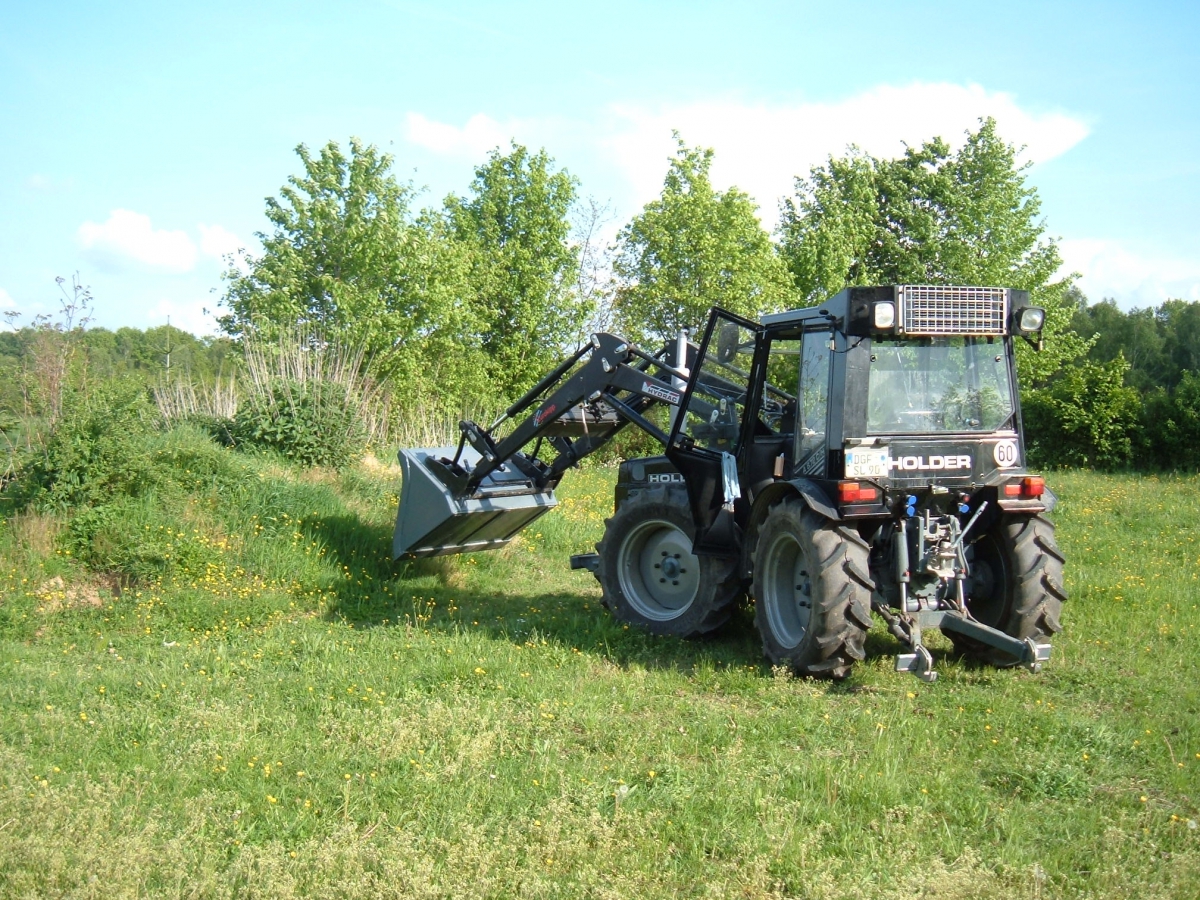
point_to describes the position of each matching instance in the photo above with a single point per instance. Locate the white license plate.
(867, 462)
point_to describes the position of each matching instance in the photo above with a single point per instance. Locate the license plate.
(867, 462)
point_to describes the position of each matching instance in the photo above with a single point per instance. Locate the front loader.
(865, 455)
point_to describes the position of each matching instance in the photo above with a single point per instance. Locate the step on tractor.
(861, 456)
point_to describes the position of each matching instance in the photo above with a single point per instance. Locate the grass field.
(281, 713)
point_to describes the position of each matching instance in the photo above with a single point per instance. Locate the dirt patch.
(371, 463)
(55, 594)
(319, 475)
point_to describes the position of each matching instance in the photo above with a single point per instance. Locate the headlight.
(884, 315)
(1031, 319)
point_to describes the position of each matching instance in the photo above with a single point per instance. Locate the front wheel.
(812, 591)
(1016, 585)
(650, 576)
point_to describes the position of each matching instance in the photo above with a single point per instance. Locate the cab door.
(713, 423)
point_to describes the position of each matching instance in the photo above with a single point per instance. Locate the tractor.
(863, 456)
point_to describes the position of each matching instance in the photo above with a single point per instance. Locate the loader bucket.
(434, 521)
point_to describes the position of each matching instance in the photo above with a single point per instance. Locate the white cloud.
(6, 300)
(761, 148)
(1127, 274)
(190, 317)
(481, 134)
(128, 235)
(216, 242)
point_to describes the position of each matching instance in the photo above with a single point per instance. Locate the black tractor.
(863, 455)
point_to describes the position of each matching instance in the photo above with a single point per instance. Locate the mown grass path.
(284, 714)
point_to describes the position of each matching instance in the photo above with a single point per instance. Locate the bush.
(311, 423)
(92, 454)
(1170, 435)
(1085, 417)
(160, 529)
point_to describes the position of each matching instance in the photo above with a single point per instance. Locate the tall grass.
(181, 401)
(298, 367)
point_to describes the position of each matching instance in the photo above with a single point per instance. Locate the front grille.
(928, 309)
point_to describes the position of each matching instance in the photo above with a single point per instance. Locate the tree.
(1171, 425)
(1136, 335)
(931, 217)
(439, 360)
(331, 264)
(514, 222)
(693, 248)
(1086, 417)
(1179, 323)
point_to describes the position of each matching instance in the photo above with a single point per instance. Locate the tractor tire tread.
(1033, 608)
(719, 593)
(841, 588)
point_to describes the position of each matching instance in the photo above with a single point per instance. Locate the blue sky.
(138, 140)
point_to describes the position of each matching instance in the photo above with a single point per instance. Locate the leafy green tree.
(331, 263)
(1086, 417)
(930, 217)
(693, 248)
(441, 362)
(1136, 335)
(1179, 322)
(1171, 425)
(515, 224)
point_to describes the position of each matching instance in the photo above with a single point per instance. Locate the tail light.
(853, 492)
(1029, 488)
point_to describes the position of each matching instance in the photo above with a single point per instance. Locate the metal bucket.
(433, 521)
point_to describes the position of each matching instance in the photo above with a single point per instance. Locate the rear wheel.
(812, 591)
(1016, 585)
(650, 576)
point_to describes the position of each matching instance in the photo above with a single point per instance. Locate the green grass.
(281, 713)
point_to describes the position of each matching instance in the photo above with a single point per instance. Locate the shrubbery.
(310, 424)
(1170, 437)
(92, 452)
(1084, 417)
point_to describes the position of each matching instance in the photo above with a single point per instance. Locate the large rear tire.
(650, 576)
(812, 591)
(1016, 585)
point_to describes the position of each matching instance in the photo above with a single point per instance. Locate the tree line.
(461, 305)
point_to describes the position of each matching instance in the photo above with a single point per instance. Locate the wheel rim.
(787, 590)
(658, 573)
(988, 587)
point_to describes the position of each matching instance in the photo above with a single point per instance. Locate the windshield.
(938, 384)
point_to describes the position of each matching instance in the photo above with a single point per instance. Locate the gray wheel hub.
(787, 591)
(658, 573)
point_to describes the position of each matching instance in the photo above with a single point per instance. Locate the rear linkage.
(932, 593)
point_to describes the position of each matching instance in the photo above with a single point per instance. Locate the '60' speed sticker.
(1005, 453)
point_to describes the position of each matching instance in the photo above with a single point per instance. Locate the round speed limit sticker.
(1005, 453)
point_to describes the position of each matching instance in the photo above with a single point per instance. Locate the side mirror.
(727, 342)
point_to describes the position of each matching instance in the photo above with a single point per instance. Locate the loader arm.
(482, 493)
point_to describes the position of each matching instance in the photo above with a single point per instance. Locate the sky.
(139, 140)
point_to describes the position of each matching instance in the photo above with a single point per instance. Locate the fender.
(809, 491)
